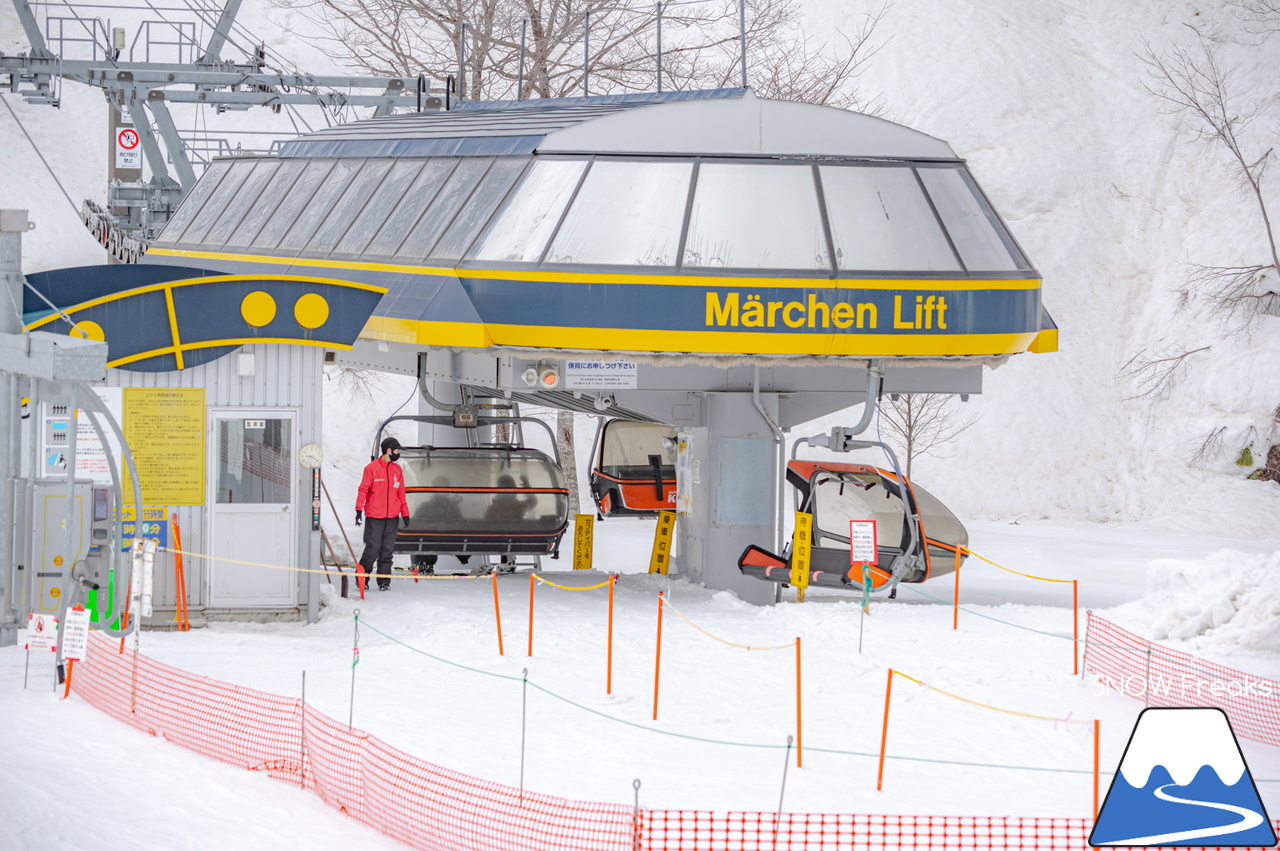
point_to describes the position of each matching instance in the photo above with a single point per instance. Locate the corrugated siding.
(284, 377)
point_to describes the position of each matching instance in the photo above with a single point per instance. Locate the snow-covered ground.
(1016, 658)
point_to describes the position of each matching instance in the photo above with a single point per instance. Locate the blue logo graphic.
(1183, 781)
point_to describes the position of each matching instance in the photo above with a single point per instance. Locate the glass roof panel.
(350, 205)
(881, 221)
(756, 217)
(286, 213)
(411, 206)
(218, 201)
(444, 207)
(974, 228)
(479, 208)
(321, 205)
(243, 200)
(192, 204)
(520, 232)
(377, 210)
(267, 202)
(626, 213)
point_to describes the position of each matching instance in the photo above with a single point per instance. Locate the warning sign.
(862, 542)
(128, 152)
(42, 632)
(75, 634)
(165, 429)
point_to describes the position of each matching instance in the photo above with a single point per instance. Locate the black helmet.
(389, 443)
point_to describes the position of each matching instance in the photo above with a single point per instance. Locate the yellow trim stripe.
(209, 344)
(593, 278)
(1046, 341)
(173, 326)
(214, 279)
(702, 342)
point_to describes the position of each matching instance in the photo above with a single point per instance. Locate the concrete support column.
(733, 494)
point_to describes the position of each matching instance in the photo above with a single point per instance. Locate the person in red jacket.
(381, 499)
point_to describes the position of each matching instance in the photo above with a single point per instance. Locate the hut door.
(251, 502)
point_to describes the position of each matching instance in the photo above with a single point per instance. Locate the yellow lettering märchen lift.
(660, 560)
(583, 536)
(801, 539)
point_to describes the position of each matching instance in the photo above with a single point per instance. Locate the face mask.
(395, 456)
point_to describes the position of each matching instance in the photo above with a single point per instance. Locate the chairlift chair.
(916, 537)
(633, 470)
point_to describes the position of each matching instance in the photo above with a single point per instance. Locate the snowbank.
(1230, 600)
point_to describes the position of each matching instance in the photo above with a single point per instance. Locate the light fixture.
(548, 377)
(530, 377)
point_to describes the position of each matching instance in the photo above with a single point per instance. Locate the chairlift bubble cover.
(484, 500)
(633, 474)
(836, 494)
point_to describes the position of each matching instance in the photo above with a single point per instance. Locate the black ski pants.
(379, 545)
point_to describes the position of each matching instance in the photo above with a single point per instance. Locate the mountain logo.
(1183, 780)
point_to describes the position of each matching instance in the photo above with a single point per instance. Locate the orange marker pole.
(1096, 729)
(497, 612)
(180, 580)
(884, 731)
(955, 601)
(531, 584)
(799, 713)
(1075, 627)
(66, 689)
(608, 670)
(657, 659)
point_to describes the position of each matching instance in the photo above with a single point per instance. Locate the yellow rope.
(189, 554)
(570, 587)
(721, 640)
(989, 706)
(1011, 570)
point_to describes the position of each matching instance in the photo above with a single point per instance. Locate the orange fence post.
(180, 580)
(66, 689)
(657, 659)
(799, 713)
(884, 730)
(531, 584)
(497, 612)
(1096, 727)
(1075, 627)
(955, 600)
(608, 668)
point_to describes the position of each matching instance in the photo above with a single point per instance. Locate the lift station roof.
(716, 223)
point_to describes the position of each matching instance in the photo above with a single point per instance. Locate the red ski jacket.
(381, 492)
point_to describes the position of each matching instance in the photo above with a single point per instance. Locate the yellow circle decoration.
(258, 308)
(311, 310)
(55, 592)
(88, 330)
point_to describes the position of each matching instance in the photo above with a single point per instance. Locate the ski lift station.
(724, 265)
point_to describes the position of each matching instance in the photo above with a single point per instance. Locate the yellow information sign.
(660, 560)
(583, 533)
(165, 430)
(801, 541)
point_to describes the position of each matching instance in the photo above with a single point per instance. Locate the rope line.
(1016, 572)
(571, 587)
(424, 576)
(786, 646)
(988, 705)
(710, 741)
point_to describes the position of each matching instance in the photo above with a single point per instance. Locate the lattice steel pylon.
(142, 128)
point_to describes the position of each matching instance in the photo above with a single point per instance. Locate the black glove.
(359, 517)
(406, 521)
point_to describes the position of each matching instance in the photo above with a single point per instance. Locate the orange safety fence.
(1161, 676)
(427, 806)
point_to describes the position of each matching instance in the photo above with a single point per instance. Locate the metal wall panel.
(284, 377)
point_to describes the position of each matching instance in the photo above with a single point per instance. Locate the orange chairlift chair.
(916, 535)
(493, 500)
(633, 469)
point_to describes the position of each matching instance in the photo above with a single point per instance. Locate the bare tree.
(568, 457)
(1195, 82)
(1209, 448)
(1154, 372)
(701, 45)
(922, 423)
